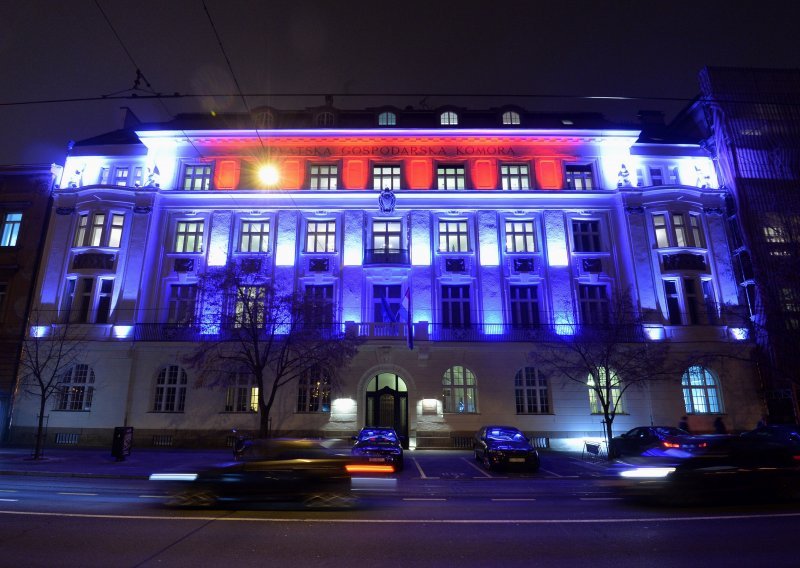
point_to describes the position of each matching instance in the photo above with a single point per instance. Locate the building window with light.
(602, 389)
(321, 236)
(242, 394)
(524, 305)
(790, 308)
(314, 390)
(189, 236)
(678, 230)
(387, 119)
(249, 306)
(453, 236)
(196, 177)
(182, 304)
(385, 177)
(700, 391)
(254, 236)
(586, 235)
(170, 392)
(593, 302)
(386, 303)
(12, 222)
(76, 389)
(456, 309)
(386, 235)
(448, 118)
(531, 392)
(514, 177)
(520, 236)
(121, 176)
(451, 178)
(459, 390)
(511, 118)
(115, 230)
(579, 177)
(324, 177)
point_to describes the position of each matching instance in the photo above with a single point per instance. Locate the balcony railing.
(386, 256)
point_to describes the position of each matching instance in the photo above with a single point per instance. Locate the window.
(254, 236)
(80, 233)
(386, 235)
(696, 231)
(321, 236)
(189, 236)
(264, 119)
(586, 236)
(520, 236)
(790, 306)
(170, 390)
(514, 176)
(673, 302)
(700, 391)
(3, 298)
(314, 391)
(531, 392)
(182, 304)
(250, 306)
(384, 177)
(387, 119)
(605, 390)
(137, 176)
(448, 118)
(660, 228)
(451, 177)
(319, 304)
(656, 176)
(511, 118)
(115, 232)
(679, 230)
(242, 395)
(76, 389)
(11, 225)
(697, 312)
(323, 176)
(579, 176)
(96, 230)
(87, 301)
(196, 177)
(678, 233)
(386, 303)
(121, 176)
(326, 119)
(459, 390)
(524, 303)
(453, 236)
(593, 303)
(105, 289)
(456, 306)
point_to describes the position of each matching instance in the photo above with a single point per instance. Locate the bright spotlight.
(269, 174)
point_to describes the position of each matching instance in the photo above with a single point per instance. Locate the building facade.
(448, 239)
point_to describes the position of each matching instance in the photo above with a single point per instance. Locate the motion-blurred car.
(656, 440)
(379, 445)
(305, 472)
(763, 463)
(504, 446)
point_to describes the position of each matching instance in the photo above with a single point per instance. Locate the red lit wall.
(548, 174)
(419, 174)
(291, 173)
(484, 174)
(355, 174)
(226, 174)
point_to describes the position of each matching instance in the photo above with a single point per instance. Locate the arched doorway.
(387, 404)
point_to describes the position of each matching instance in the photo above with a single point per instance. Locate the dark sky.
(55, 49)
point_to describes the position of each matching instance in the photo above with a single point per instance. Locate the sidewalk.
(98, 462)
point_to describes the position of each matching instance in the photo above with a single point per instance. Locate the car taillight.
(796, 458)
(369, 468)
(670, 444)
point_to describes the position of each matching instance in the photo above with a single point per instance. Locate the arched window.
(264, 119)
(608, 391)
(700, 391)
(242, 395)
(326, 119)
(314, 391)
(170, 390)
(511, 118)
(448, 118)
(531, 392)
(459, 390)
(387, 119)
(76, 389)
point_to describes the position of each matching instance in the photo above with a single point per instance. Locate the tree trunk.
(37, 452)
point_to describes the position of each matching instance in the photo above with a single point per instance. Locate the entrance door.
(387, 404)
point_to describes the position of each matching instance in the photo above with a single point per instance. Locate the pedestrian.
(719, 426)
(684, 423)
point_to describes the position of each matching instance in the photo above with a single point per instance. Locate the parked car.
(763, 463)
(657, 440)
(504, 446)
(305, 472)
(379, 445)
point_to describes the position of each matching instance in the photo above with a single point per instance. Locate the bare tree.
(608, 358)
(49, 352)
(274, 336)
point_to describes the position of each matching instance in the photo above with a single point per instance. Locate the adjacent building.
(460, 233)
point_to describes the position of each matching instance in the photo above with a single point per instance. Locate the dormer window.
(511, 118)
(387, 119)
(264, 119)
(326, 119)
(448, 118)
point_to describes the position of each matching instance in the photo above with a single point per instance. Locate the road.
(442, 511)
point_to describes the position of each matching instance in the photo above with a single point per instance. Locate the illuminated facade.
(483, 226)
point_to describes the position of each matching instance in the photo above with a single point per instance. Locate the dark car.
(656, 440)
(380, 446)
(305, 472)
(504, 446)
(764, 463)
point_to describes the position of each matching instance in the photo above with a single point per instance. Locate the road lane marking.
(308, 520)
(553, 473)
(8, 490)
(513, 499)
(77, 493)
(13, 500)
(424, 499)
(600, 498)
(483, 472)
(419, 469)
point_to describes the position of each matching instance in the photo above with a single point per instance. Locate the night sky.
(554, 52)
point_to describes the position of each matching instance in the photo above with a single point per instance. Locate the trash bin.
(123, 440)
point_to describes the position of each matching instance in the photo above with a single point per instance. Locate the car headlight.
(647, 472)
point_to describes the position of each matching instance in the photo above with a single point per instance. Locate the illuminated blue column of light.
(352, 273)
(722, 268)
(138, 281)
(489, 273)
(287, 242)
(421, 237)
(635, 253)
(353, 241)
(56, 250)
(559, 274)
(219, 237)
